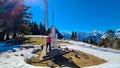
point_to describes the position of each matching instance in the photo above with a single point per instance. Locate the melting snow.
(110, 55)
(8, 60)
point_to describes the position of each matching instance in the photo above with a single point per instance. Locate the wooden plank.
(43, 53)
(50, 56)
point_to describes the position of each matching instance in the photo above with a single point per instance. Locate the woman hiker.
(48, 44)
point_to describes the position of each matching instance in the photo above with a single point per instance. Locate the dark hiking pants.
(48, 45)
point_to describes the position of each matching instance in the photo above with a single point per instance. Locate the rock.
(29, 56)
(70, 60)
(42, 47)
(35, 50)
(15, 54)
(50, 64)
(16, 49)
(90, 46)
(21, 55)
(36, 46)
(10, 51)
(7, 56)
(76, 55)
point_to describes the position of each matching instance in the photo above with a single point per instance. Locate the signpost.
(53, 37)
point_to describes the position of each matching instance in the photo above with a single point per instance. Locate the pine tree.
(42, 29)
(110, 34)
(21, 17)
(27, 29)
(116, 43)
(74, 36)
(35, 29)
(109, 41)
(5, 17)
(14, 15)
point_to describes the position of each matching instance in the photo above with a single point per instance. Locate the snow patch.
(110, 55)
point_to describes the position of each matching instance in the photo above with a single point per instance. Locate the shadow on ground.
(63, 62)
(12, 43)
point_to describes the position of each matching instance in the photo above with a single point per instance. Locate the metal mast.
(45, 14)
(53, 18)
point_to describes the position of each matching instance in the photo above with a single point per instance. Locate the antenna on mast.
(45, 15)
(53, 18)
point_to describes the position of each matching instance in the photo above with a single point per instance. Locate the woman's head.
(48, 35)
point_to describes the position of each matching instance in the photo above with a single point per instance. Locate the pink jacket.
(48, 39)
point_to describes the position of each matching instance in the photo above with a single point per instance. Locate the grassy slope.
(36, 40)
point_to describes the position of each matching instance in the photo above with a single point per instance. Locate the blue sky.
(79, 15)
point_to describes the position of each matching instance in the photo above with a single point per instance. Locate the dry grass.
(36, 40)
(40, 40)
(60, 42)
(84, 59)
